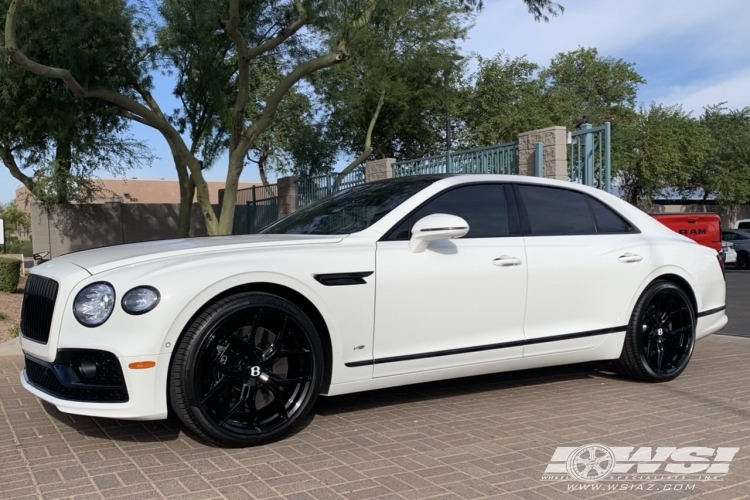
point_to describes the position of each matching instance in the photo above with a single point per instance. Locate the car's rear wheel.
(743, 261)
(247, 370)
(661, 335)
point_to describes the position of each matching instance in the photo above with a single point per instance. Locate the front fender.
(206, 295)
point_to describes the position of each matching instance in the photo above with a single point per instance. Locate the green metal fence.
(590, 157)
(312, 189)
(497, 159)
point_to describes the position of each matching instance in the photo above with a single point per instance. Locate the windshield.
(351, 210)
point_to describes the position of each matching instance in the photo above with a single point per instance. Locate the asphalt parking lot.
(481, 437)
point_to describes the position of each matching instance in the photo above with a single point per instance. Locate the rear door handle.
(507, 261)
(628, 257)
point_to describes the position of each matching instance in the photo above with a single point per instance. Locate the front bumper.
(144, 399)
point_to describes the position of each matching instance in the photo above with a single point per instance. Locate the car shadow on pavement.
(171, 429)
(455, 387)
(155, 431)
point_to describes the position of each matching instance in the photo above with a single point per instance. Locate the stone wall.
(555, 152)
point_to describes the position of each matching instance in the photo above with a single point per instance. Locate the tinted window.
(556, 211)
(607, 221)
(482, 206)
(743, 225)
(740, 237)
(351, 210)
(727, 236)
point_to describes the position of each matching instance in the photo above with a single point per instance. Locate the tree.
(16, 221)
(662, 149)
(582, 86)
(378, 101)
(507, 98)
(725, 173)
(49, 141)
(257, 31)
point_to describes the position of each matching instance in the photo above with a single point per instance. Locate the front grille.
(38, 306)
(64, 379)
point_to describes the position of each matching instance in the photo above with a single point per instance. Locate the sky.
(691, 52)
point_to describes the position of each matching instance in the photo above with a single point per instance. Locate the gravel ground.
(10, 308)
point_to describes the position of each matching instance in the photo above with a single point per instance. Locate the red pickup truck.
(702, 228)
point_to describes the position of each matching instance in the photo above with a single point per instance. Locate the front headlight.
(140, 300)
(94, 304)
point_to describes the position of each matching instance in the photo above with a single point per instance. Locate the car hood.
(104, 259)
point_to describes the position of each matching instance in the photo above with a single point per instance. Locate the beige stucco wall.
(141, 191)
(72, 228)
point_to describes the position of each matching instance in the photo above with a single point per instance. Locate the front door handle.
(507, 261)
(628, 257)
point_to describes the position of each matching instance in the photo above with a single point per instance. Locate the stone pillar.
(379, 169)
(555, 152)
(287, 195)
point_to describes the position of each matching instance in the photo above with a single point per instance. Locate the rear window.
(556, 212)
(744, 225)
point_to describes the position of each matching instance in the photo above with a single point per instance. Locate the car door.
(585, 261)
(459, 302)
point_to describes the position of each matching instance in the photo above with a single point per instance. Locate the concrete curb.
(11, 348)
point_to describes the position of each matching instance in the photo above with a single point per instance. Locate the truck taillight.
(721, 265)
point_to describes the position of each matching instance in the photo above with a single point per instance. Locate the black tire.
(233, 384)
(661, 335)
(743, 261)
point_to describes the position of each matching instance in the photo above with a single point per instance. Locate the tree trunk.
(6, 155)
(368, 143)
(61, 170)
(187, 193)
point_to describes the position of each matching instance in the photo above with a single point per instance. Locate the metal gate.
(257, 207)
(590, 156)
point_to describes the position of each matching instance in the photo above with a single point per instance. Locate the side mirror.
(436, 227)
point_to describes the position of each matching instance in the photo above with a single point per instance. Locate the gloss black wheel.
(743, 261)
(661, 335)
(247, 370)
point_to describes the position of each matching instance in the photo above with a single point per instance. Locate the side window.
(607, 220)
(556, 212)
(740, 237)
(727, 236)
(483, 206)
(743, 225)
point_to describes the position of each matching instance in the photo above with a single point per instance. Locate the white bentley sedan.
(394, 282)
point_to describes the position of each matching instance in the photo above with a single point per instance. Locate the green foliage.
(662, 149)
(508, 96)
(725, 174)
(507, 99)
(18, 247)
(407, 54)
(16, 221)
(10, 273)
(582, 86)
(15, 331)
(58, 140)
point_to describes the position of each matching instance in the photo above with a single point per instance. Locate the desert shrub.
(10, 272)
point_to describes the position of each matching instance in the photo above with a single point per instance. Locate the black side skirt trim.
(343, 279)
(489, 347)
(711, 311)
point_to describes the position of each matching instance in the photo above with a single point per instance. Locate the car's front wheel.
(660, 336)
(246, 370)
